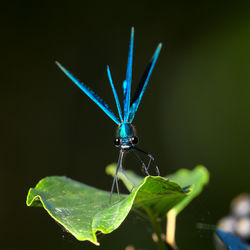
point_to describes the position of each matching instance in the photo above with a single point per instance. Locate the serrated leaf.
(83, 210)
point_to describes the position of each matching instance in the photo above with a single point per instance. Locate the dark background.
(195, 110)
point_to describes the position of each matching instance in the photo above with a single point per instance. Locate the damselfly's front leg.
(115, 180)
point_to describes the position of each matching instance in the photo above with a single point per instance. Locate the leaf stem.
(170, 228)
(157, 228)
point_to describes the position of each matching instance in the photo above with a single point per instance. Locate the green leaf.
(196, 179)
(83, 210)
(128, 177)
(192, 181)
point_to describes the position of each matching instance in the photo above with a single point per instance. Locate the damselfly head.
(126, 142)
(125, 136)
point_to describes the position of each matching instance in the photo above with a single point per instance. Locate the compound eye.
(134, 140)
(117, 141)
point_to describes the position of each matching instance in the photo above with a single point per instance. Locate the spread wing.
(143, 84)
(127, 82)
(91, 94)
(115, 93)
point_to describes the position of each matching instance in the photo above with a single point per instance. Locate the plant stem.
(157, 228)
(170, 228)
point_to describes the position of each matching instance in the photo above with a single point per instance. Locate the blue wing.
(232, 241)
(115, 93)
(127, 82)
(91, 94)
(143, 84)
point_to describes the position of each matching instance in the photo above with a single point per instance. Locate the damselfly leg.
(128, 178)
(115, 180)
(151, 159)
(142, 162)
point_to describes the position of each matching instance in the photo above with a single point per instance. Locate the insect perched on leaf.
(126, 138)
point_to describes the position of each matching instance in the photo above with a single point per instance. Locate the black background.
(195, 109)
